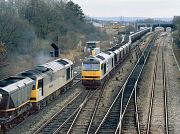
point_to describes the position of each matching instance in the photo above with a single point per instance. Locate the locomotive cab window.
(112, 62)
(40, 85)
(71, 71)
(68, 72)
(91, 67)
(34, 85)
(101, 66)
(104, 68)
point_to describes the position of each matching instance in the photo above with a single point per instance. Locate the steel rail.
(58, 113)
(136, 111)
(80, 109)
(165, 91)
(49, 120)
(95, 108)
(143, 54)
(135, 73)
(152, 91)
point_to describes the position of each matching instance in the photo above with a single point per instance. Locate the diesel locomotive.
(95, 69)
(33, 89)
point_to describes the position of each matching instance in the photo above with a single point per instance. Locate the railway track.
(131, 121)
(64, 114)
(158, 110)
(96, 118)
(66, 120)
(71, 117)
(83, 121)
(78, 121)
(112, 121)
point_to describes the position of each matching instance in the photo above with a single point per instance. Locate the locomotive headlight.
(0, 97)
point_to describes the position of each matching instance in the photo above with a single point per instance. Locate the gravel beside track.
(157, 124)
(173, 86)
(143, 90)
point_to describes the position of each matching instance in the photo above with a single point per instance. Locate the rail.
(124, 95)
(49, 127)
(153, 90)
(73, 117)
(165, 91)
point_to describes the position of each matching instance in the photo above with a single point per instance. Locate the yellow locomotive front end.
(91, 73)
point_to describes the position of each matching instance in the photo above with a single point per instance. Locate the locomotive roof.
(124, 46)
(92, 60)
(116, 51)
(127, 44)
(31, 73)
(9, 81)
(121, 48)
(47, 67)
(14, 82)
(104, 56)
(57, 64)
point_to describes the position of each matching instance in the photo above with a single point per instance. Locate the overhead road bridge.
(164, 25)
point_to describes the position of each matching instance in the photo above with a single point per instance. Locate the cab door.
(68, 72)
(40, 87)
(104, 68)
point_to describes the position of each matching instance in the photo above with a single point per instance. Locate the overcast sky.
(130, 8)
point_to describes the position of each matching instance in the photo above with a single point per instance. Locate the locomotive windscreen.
(91, 67)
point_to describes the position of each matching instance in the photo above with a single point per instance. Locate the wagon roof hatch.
(63, 62)
(100, 57)
(9, 81)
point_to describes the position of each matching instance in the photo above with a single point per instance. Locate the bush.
(16, 33)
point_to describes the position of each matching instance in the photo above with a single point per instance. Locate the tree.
(15, 32)
(2, 52)
(76, 9)
(149, 20)
(23, 21)
(176, 22)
